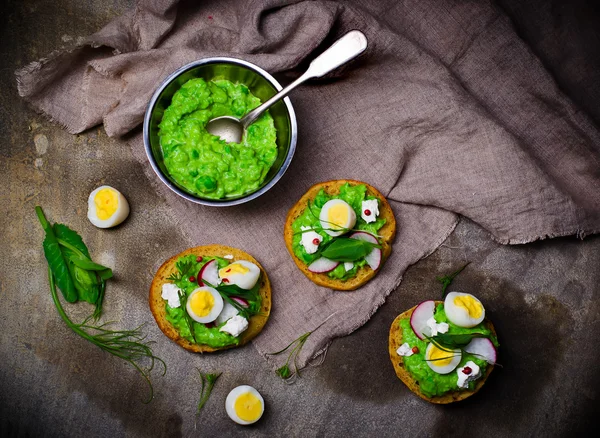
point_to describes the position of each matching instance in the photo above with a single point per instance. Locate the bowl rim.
(219, 203)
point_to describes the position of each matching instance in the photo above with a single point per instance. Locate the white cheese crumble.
(464, 379)
(170, 293)
(228, 257)
(404, 350)
(308, 238)
(348, 266)
(373, 208)
(235, 325)
(228, 312)
(435, 327)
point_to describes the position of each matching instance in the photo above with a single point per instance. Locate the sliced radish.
(484, 349)
(322, 265)
(209, 273)
(363, 235)
(242, 302)
(419, 317)
(373, 259)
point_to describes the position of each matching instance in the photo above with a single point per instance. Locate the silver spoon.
(231, 129)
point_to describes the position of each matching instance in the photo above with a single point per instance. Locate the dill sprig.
(208, 381)
(183, 270)
(129, 345)
(446, 280)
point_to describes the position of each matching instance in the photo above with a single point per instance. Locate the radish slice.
(419, 317)
(209, 273)
(483, 348)
(367, 237)
(242, 302)
(373, 259)
(322, 265)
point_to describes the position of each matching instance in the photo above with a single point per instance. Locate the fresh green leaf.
(446, 280)
(344, 249)
(252, 296)
(87, 264)
(71, 237)
(184, 268)
(187, 317)
(56, 260)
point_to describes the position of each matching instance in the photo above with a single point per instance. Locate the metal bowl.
(260, 83)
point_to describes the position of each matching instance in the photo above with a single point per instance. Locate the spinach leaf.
(344, 249)
(56, 260)
(70, 236)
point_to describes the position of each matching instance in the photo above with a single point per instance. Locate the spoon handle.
(343, 50)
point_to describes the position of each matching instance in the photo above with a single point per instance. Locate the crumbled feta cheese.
(348, 266)
(464, 379)
(170, 293)
(404, 350)
(435, 327)
(228, 257)
(308, 238)
(228, 312)
(235, 325)
(373, 208)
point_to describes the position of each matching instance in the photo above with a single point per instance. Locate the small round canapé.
(157, 304)
(386, 233)
(395, 341)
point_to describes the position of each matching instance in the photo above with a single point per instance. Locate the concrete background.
(542, 297)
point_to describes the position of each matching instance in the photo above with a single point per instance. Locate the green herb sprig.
(77, 276)
(208, 382)
(285, 372)
(344, 249)
(184, 268)
(446, 280)
(63, 247)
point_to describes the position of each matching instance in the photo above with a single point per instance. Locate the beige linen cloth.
(448, 112)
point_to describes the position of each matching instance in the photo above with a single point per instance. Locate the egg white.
(116, 218)
(245, 280)
(458, 315)
(443, 369)
(330, 228)
(233, 396)
(216, 308)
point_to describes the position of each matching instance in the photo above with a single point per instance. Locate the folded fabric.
(448, 112)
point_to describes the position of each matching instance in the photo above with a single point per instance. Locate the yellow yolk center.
(472, 306)
(202, 303)
(234, 268)
(106, 201)
(338, 215)
(247, 406)
(440, 357)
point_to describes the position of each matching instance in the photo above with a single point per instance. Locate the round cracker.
(157, 304)
(395, 341)
(387, 233)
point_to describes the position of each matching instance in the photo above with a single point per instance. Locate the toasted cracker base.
(157, 304)
(387, 233)
(395, 341)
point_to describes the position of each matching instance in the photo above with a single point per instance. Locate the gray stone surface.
(542, 297)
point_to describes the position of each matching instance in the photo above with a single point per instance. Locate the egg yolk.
(472, 306)
(106, 201)
(234, 268)
(440, 357)
(247, 406)
(201, 303)
(338, 215)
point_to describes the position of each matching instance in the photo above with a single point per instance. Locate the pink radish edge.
(483, 348)
(209, 273)
(242, 302)
(322, 265)
(373, 259)
(419, 317)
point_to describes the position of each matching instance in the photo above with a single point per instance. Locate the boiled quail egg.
(244, 405)
(204, 304)
(107, 207)
(241, 273)
(337, 217)
(440, 360)
(463, 310)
